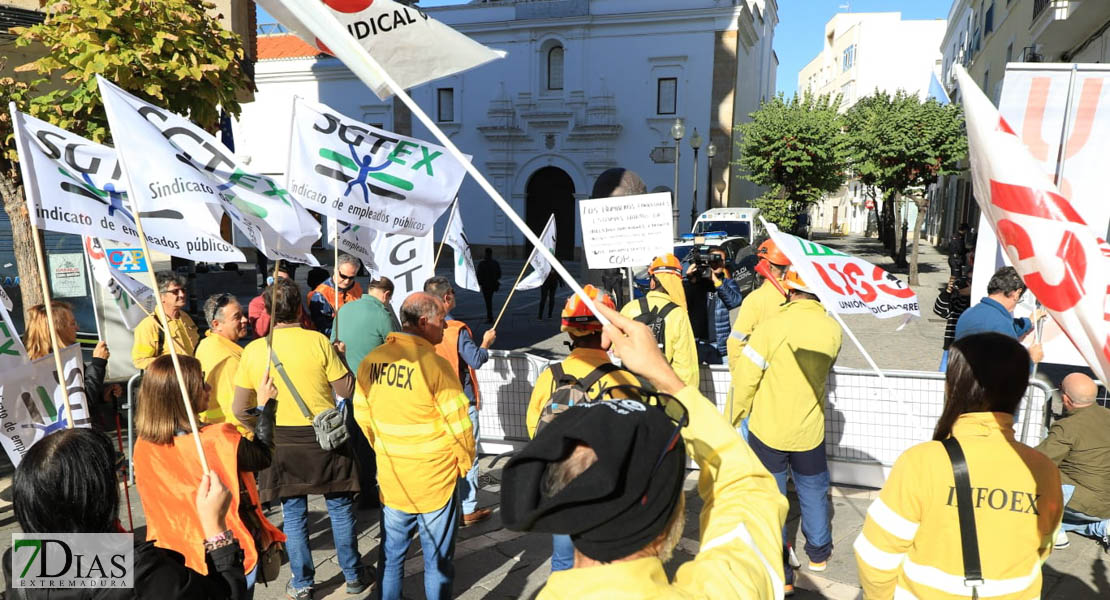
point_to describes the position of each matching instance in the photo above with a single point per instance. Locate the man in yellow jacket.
(781, 385)
(219, 353)
(150, 339)
(664, 310)
(423, 440)
(610, 475)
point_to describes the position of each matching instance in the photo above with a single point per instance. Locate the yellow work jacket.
(780, 380)
(183, 332)
(578, 364)
(910, 543)
(416, 419)
(740, 528)
(678, 347)
(219, 361)
(764, 302)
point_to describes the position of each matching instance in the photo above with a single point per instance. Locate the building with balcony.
(587, 85)
(862, 53)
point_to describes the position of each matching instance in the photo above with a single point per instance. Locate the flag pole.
(450, 218)
(366, 68)
(513, 291)
(47, 304)
(335, 281)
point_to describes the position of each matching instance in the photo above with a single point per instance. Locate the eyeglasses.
(340, 275)
(670, 406)
(224, 300)
(175, 291)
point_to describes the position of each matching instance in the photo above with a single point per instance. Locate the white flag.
(74, 185)
(412, 47)
(6, 301)
(465, 276)
(1063, 261)
(168, 157)
(407, 261)
(32, 401)
(540, 267)
(134, 300)
(356, 240)
(846, 284)
(367, 176)
(12, 352)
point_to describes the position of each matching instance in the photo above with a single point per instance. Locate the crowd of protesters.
(342, 397)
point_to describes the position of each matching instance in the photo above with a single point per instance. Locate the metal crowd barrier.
(866, 427)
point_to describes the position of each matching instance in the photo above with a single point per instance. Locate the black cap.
(618, 505)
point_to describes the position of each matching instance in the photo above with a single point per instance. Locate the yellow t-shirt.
(311, 363)
(219, 360)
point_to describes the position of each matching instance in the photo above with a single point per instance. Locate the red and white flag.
(1063, 261)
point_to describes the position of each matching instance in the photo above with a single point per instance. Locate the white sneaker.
(1062, 540)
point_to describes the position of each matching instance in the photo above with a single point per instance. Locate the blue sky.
(801, 26)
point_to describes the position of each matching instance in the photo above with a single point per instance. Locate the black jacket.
(159, 574)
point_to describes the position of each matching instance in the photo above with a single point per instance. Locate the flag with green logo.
(32, 404)
(12, 353)
(366, 176)
(540, 267)
(356, 240)
(465, 275)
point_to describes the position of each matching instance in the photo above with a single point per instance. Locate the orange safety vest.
(167, 475)
(328, 292)
(449, 348)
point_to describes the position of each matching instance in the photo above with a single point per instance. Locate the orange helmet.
(793, 281)
(578, 319)
(667, 263)
(769, 251)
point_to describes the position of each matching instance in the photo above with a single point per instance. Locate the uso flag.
(1063, 261)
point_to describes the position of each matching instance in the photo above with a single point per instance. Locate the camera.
(705, 263)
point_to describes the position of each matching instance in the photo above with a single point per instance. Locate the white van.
(732, 222)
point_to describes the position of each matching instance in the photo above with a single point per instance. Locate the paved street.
(493, 563)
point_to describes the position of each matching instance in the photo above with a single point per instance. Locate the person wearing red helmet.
(663, 309)
(764, 302)
(589, 366)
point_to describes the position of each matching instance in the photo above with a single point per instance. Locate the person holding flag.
(337, 290)
(781, 384)
(150, 338)
(663, 309)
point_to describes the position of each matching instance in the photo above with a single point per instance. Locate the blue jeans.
(438, 530)
(468, 487)
(810, 470)
(1081, 523)
(341, 512)
(562, 553)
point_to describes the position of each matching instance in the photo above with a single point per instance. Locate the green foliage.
(173, 53)
(901, 144)
(796, 150)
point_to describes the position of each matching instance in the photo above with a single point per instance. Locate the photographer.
(710, 294)
(950, 304)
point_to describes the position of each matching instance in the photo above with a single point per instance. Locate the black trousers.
(487, 295)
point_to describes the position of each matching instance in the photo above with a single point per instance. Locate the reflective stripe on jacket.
(678, 347)
(910, 543)
(764, 302)
(781, 377)
(416, 419)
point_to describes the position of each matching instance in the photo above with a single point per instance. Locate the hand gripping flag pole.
(316, 16)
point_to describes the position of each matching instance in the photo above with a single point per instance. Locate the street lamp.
(695, 143)
(710, 151)
(678, 130)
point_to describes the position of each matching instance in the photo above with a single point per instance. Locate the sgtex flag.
(32, 400)
(412, 47)
(407, 261)
(171, 160)
(12, 352)
(1065, 264)
(134, 300)
(366, 176)
(465, 276)
(540, 267)
(356, 240)
(846, 284)
(74, 185)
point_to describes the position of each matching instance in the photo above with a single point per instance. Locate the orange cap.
(667, 263)
(793, 281)
(578, 319)
(769, 251)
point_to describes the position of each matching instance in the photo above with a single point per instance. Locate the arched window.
(555, 68)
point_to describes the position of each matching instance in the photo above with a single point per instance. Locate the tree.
(796, 150)
(174, 53)
(901, 144)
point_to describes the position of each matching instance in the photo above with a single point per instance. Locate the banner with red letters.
(846, 284)
(1063, 261)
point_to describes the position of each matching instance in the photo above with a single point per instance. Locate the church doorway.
(550, 191)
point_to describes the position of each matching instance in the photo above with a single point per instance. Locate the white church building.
(587, 85)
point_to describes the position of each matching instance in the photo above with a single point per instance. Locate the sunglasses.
(670, 406)
(175, 292)
(339, 275)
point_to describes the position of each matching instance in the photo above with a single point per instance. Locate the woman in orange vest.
(167, 466)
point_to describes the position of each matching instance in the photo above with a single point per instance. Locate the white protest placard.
(32, 405)
(626, 231)
(407, 261)
(67, 275)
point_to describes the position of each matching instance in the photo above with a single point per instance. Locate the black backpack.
(568, 390)
(655, 318)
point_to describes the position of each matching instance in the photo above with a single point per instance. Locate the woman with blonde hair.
(167, 467)
(38, 343)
